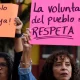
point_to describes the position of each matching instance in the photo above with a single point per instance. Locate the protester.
(6, 63)
(5, 66)
(18, 48)
(26, 62)
(59, 66)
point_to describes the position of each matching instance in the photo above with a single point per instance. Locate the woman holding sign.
(26, 62)
(7, 70)
(59, 66)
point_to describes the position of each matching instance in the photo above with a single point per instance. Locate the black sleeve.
(17, 57)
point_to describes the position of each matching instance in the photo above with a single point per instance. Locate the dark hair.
(47, 72)
(5, 1)
(9, 63)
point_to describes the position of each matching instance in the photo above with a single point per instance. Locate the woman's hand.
(18, 41)
(18, 24)
(26, 56)
(25, 41)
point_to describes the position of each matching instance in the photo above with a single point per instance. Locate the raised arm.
(26, 56)
(18, 41)
(26, 63)
(18, 48)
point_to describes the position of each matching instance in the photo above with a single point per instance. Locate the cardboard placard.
(55, 22)
(8, 12)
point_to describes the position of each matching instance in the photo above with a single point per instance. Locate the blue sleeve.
(25, 74)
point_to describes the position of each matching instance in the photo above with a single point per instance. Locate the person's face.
(3, 69)
(62, 69)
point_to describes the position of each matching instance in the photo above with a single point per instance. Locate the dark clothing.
(17, 57)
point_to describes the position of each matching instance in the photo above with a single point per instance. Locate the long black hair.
(9, 63)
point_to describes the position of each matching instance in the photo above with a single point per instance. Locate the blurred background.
(39, 52)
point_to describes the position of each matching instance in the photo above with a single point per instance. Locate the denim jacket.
(25, 74)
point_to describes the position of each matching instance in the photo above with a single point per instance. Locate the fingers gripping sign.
(26, 56)
(18, 23)
(25, 41)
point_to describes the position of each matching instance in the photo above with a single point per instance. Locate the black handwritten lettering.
(75, 8)
(1, 21)
(68, 19)
(38, 20)
(52, 29)
(64, 29)
(39, 9)
(60, 19)
(72, 19)
(52, 9)
(34, 31)
(5, 21)
(3, 7)
(41, 29)
(71, 30)
(46, 32)
(49, 31)
(61, 9)
(78, 19)
(57, 30)
(49, 20)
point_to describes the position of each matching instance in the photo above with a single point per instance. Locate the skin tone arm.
(18, 41)
(26, 56)
(18, 49)
(26, 59)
